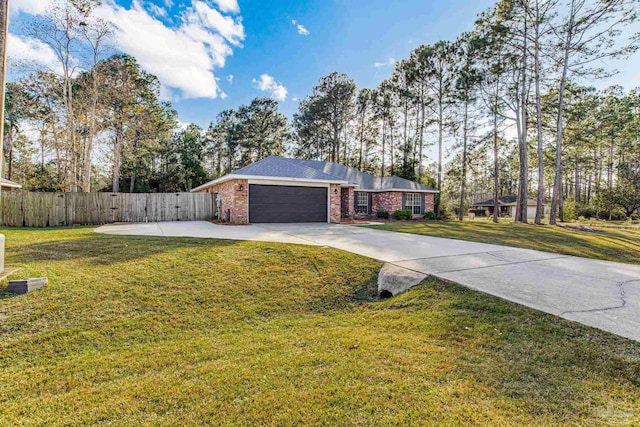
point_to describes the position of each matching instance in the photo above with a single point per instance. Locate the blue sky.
(212, 55)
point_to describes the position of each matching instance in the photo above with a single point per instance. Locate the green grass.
(620, 245)
(152, 331)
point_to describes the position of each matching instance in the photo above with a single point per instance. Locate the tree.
(465, 90)
(17, 105)
(322, 118)
(263, 130)
(130, 98)
(586, 33)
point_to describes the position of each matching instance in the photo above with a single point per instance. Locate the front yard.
(611, 244)
(154, 331)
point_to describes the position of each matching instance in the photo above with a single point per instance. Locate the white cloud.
(228, 5)
(157, 10)
(31, 52)
(266, 83)
(206, 17)
(295, 99)
(301, 28)
(182, 57)
(390, 63)
(230, 78)
(33, 7)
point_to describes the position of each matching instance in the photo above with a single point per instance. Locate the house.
(9, 185)
(281, 190)
(507, 205)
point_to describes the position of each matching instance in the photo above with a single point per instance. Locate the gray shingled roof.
(279, 167)
(311, 169)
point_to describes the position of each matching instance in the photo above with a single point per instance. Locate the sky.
(212, 55)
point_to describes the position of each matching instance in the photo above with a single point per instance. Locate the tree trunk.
(521, 211)
(557, 198)
(464, 161)
(117, 150)
(540, 200)
(440, 138)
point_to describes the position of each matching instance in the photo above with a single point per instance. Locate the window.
(413, 203)
(362, 202)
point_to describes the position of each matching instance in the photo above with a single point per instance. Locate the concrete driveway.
(602, 294)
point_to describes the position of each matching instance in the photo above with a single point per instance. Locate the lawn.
(620, 245)
(153, 331)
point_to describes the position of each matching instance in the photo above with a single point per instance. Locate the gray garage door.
(281, 203)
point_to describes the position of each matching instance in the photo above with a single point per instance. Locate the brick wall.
(390, 201)
(429, 202)
(348, 202)
(234, 199)
(335, 198)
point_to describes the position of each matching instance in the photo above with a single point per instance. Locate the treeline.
(502, 101)
(497, 111)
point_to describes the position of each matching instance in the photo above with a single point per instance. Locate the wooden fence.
(26, 209)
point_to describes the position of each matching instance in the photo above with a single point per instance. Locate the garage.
(283, 203)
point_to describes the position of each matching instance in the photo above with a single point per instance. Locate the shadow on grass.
(106, 249)
(551, 364)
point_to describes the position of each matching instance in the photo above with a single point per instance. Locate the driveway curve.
(601, 294)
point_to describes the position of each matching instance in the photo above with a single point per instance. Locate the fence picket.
(31, 209)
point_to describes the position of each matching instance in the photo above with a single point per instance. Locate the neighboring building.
(507, 206)
(279, 190)
(9, 185)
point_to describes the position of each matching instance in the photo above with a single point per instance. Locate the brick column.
(347, 201)
(334, 209)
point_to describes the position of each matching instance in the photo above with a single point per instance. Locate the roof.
(510, 199)
(9, 184)
(275, 167)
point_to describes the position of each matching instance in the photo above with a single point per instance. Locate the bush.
(570, 211)
(445, 215)
(586, 211)
(403, 214)
(635, 216)
(430, 215)
(382, 214)
(618, 215)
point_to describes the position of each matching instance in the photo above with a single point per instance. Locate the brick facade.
(429, 202)
(348, 202)
(342, 201)
(233, 199)
(390, 201)
(335, 208)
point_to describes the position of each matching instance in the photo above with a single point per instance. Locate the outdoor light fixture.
(335, 190)
(241, 187)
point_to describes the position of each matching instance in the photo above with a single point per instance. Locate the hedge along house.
(280, 190)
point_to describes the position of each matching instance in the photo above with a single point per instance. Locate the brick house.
(280, 190)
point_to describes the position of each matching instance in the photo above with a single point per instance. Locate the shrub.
(430, 215)
(445, 215)
(403, 214)
(570, 210)
(586, 211)
(382, 214)
(618, 215)
(635, 216)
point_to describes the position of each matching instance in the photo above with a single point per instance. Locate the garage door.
(281, 203)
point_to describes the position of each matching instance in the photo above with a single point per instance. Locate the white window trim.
(415, 198)
(359, 206)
